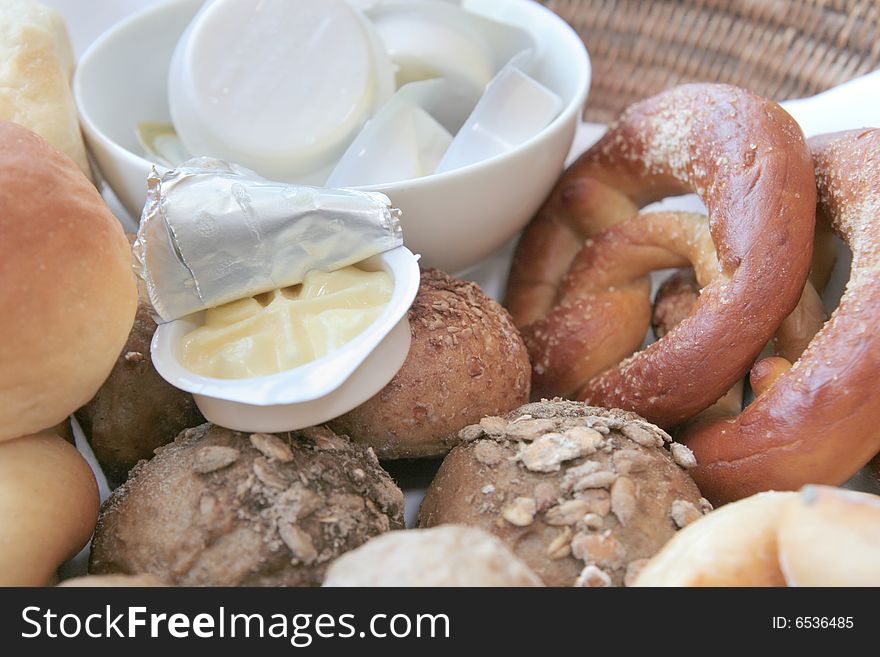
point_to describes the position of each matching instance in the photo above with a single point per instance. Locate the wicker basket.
(777, 48)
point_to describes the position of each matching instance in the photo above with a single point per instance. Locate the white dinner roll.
(36, 65)
(67, 290)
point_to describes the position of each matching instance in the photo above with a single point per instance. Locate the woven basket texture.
(777, 48)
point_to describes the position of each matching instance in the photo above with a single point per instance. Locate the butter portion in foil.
(212, 232)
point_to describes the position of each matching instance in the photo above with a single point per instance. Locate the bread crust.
(135, 410)
(223, 508)
(466, 361)
(612, 501)
(820, 536)
(818, 423)
(748, 161)
(112, 581)
(449, 555)
(735, 545)
(48, 507)
(67, 290)
(35, 76)
(831, 537)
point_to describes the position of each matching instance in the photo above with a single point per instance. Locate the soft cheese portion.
(279, 86)
(286, 328)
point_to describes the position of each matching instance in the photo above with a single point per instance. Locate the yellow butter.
(286, 328)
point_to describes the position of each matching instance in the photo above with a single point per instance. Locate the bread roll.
(449, 555)
(583, 495)
(821, 536)
(114, 581)
(733, 546)
(48, 507)
(67, 290)
(467, 361)
(830, 537)
(36, 64)
(64, 430)
(223, 508)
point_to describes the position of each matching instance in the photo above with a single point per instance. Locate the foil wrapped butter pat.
(212, 232)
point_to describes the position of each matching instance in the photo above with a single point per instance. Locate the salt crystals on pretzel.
(748, 161)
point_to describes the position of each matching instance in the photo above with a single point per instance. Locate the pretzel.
(608, 293)
(818, 421)
(674, 302)
(747, 160)
(819, 537)
(678, 295)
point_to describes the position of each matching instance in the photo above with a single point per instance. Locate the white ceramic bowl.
(312, 393)
(454, 219)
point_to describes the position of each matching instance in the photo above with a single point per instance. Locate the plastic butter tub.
(312, 393)
(278, 86)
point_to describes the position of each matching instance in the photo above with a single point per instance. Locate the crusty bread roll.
(467, 361)
(733, 546)
(36, 64)
(67, 290)
(449, 555)
(821, 536)
(830, 537)
(113, 581)
(48, 507)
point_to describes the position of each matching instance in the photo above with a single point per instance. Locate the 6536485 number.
(823, 622)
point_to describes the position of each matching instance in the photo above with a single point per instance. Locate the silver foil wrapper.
(212, 232)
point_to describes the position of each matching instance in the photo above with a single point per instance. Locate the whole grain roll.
(67, 291)
(224, 508)
(583, 495)
(467, 360)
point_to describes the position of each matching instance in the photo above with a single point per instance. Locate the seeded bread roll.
(583, 495)
(222, 508)
(136, 410)
(467, 360)
(450, 555)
